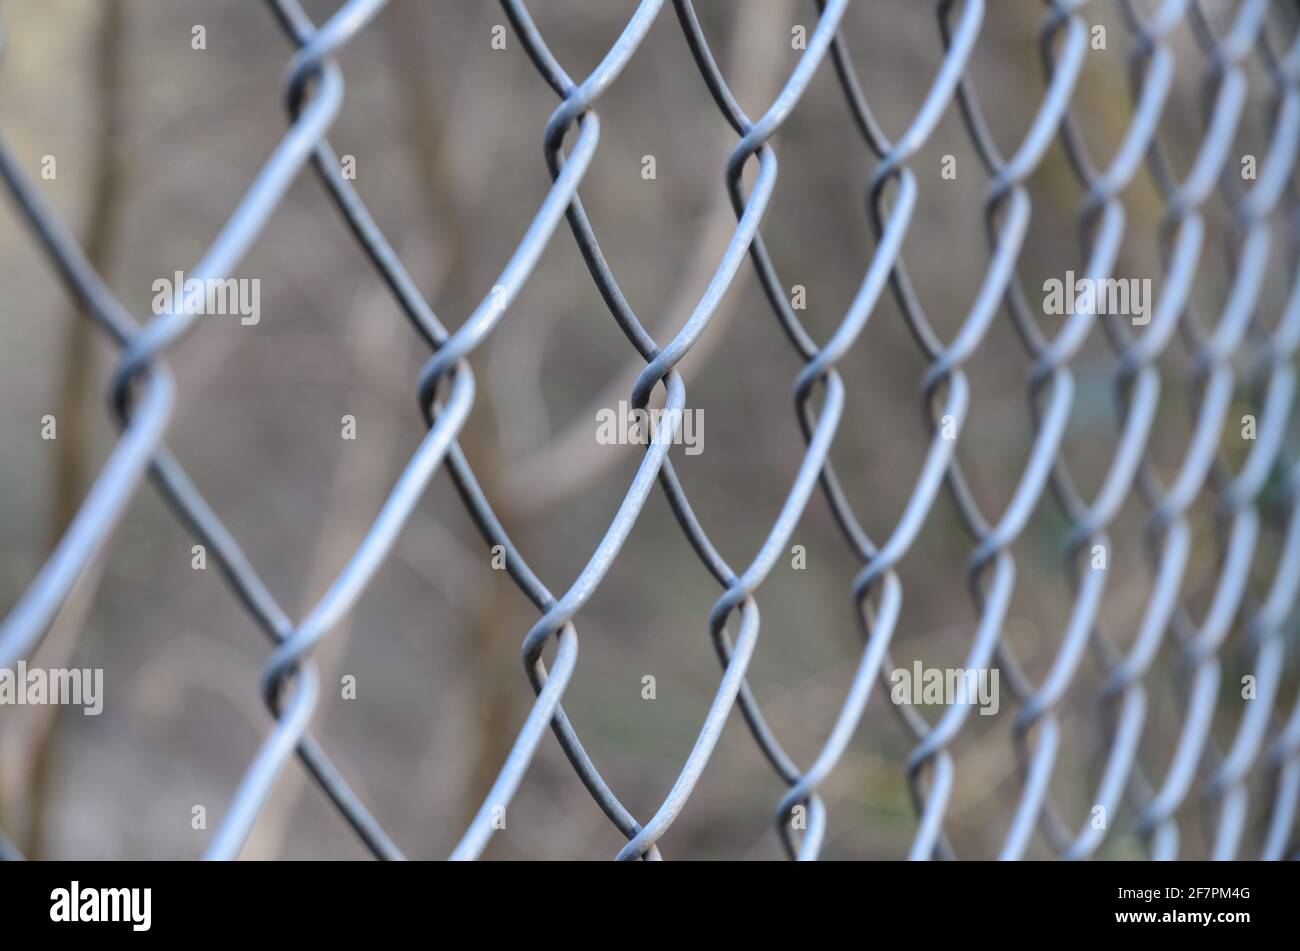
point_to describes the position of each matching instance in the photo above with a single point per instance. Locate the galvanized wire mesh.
(1245, 345)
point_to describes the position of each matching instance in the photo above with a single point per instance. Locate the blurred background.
(155, 142)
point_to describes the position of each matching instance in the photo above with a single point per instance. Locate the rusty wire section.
(1241, 346)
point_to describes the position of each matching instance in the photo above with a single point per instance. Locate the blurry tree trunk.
(361, 482)
(77, 404)
(495, 623)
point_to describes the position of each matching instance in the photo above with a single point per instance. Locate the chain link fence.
(1202, 354)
